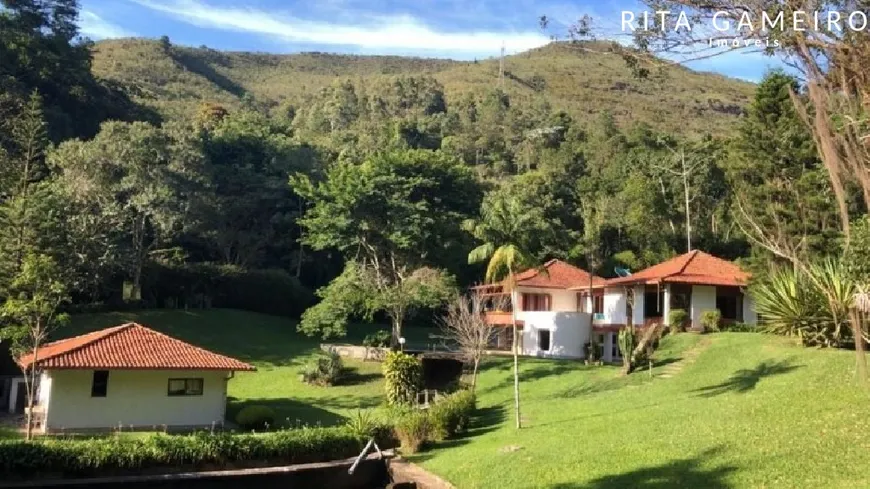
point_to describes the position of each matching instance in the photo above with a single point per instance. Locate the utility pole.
(501, 67)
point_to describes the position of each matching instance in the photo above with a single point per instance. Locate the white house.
(551, 317)
(558, 312)
(129, 376)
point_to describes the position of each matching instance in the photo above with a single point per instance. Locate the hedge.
(203, 285)
(121, 455)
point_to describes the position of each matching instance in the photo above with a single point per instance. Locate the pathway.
(689, 357)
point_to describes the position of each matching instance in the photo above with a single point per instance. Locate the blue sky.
(459, 29)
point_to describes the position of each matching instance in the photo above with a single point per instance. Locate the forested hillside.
(175, 79)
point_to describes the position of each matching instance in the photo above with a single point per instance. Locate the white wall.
(133, 397)
(638, 310)
(614, 307)
(569, 331)
(703, 299)
(749, 314)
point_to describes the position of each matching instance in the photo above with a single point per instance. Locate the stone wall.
(365, 353)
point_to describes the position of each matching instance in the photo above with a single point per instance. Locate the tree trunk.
(397, 333)
(31, 392)
(516, 357)
(474, 374)
(686, 196)
(861, 357)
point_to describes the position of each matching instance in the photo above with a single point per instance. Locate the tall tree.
(31, 313)
(496, 228)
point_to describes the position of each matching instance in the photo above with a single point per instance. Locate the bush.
(403, 376)
(119, 455)
(413, 429)
(677, 320)
(742, 328)
(204, 285)
(710, 320)
(379, 339)
(324, 370)
(451, 415)
(256, 417)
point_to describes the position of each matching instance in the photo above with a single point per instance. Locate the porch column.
(666, 308)
(639, 307)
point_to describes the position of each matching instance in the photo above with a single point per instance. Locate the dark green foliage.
(451, 415)
(413, 429)
(380, 339)
(403, 375)
(256, 417)
(325, 369)
(198, 285)
(627, 342)
(118, 455)
(711, 320)
(677, 319)
(741, 328)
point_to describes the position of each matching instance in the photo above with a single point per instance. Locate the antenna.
(501, 67)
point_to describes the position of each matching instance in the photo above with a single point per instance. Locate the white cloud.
(95, 27)
(370, 32)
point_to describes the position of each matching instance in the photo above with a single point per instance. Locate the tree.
(464, 324)
(496, 229)
(152, 175)
(395, 217)
(31, 314)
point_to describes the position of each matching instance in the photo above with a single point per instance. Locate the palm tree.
(500, 225)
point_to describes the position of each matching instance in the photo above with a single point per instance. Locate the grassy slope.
(273, 346)
(580, 82)
(752, 411)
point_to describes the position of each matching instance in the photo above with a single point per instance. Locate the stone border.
(364, 353)
(402, 470)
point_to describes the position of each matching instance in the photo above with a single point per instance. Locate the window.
(185, 387)
(614, 345)
(544, 339)
(598, 303)
(100, 383)
(581, 302)
(536, 302)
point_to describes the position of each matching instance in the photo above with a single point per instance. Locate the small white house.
(558, 311)
(130, 376)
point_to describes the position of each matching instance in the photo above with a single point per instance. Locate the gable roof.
(694, 267)
(560, 275)
(129, 346)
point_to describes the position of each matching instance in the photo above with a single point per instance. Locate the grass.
(272, 344)
(751, 411)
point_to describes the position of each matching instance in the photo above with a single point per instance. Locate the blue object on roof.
(622, 272)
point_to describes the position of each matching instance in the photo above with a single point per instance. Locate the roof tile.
(694, 267)
(130, 346)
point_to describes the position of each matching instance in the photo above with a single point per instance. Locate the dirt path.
(689, 358)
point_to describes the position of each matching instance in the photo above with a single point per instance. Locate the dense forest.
(187, 177)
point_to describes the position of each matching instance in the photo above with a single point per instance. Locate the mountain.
(583, 82)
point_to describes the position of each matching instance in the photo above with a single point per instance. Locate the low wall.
(365, 353)
(370, 473)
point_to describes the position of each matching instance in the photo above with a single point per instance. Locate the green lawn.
(272, 344)
(752, 411)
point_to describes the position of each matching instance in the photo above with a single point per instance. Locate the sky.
(457, 29)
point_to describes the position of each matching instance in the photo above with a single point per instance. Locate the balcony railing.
(498, 317)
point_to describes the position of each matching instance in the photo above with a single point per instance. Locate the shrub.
(119, 455)
(743, 328)
(413, 428)
(710, 320)
(677, 320)
(256, 417)
(451, 414)
(379, 339)
(324, 370)
(403, 376)
(363, 424)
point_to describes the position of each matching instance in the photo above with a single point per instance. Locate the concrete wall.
(614, 307)
(134, 397)
(569, 331)
(356, 352)
(638, 309)
(703, 299)
(749, 314)
(562, 300)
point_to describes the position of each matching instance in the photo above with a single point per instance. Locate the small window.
(544, 340)
(614, 345)
(185, 387)
(100, 383)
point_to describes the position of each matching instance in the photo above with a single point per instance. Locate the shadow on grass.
(484, 421)
(589, 388)
(532, 371)
(745, 380)
(294, 412)
(678, 473)
(352, 376)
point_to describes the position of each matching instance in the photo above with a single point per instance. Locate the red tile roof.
(129, 346)
(560, 275)
(695, 267)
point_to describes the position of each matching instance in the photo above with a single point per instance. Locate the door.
(20, 398)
